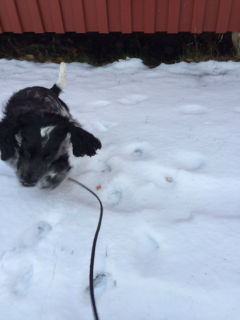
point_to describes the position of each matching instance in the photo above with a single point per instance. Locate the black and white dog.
(37, 132)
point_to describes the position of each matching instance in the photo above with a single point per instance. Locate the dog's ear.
(83, 142)
(7, 140)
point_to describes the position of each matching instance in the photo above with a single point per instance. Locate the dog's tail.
(61, 81)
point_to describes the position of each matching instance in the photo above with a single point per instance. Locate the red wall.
(124, 16)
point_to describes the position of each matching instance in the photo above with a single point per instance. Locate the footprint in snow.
(192, 109)
(99, 103)
(18, 269)
(189, 161)
(105, 167)
(17, 263)
(147, 254)
(22, 282)
(105, 126)
(114, 197)
(133, 99)
(100, 282)
(34, 234)
(137, 150)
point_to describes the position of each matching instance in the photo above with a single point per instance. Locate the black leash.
(93, 248)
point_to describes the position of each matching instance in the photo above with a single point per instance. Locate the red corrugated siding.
(199, 14)
(149, 17)
(29, 14)
(124, 16)
(51, 14)
(73, 16)
(234, 21)
(9, 17)
(102, 16)
(186, 15)
(224, 12)
(162, 15)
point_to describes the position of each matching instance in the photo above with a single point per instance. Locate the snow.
(169, 173)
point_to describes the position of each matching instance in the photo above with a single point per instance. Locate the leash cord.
(91, 287)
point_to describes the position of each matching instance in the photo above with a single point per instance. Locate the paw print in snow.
(189, 161)
(133, 99)
(193, 109)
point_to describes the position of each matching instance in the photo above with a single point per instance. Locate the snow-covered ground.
(169, 172)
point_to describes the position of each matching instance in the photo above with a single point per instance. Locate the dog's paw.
(83, 142)
(87, 145)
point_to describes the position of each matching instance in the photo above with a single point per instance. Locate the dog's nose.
(28, 181)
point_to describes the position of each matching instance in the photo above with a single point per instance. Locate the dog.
(37, 133)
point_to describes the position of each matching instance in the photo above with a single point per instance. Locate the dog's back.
(39, 99)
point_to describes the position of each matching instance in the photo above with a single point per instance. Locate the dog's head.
(34, 144)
